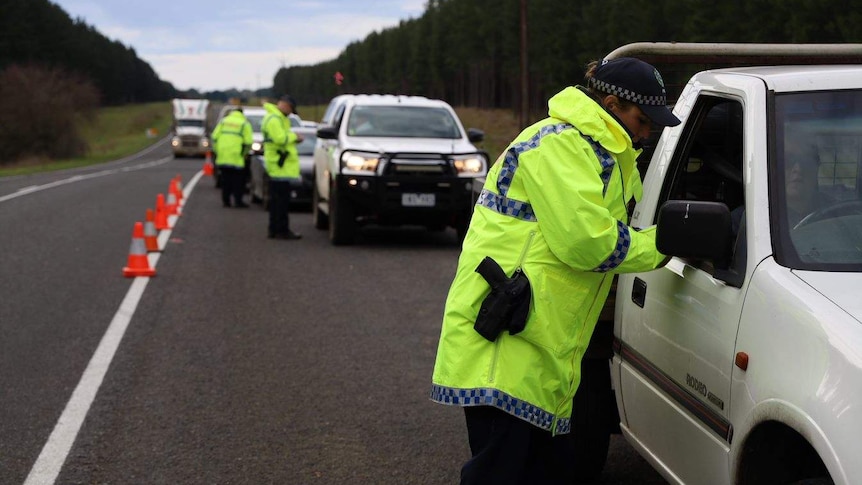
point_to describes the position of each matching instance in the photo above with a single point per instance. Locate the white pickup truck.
(740, 361)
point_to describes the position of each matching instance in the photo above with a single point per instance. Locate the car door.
(326, 150)
(677, 328)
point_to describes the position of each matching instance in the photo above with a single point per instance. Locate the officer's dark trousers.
(509, 450)
(232, 184)
(279, 204)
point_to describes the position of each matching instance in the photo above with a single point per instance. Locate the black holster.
(281, 157)
(507, 305)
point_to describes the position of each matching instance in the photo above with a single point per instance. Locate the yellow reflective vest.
(554, 204)
(231, 138)
(278, 138)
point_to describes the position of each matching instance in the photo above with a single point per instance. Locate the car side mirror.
(694, 229)
(327, 133)
(475, 135)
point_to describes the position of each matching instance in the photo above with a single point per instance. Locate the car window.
(402, 121)
(816, 180)
(708, 167)
(329, 115)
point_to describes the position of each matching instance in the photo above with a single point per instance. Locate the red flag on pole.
(338, 77)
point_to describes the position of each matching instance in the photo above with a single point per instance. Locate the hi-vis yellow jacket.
(231, 139)
(555, 205)
(277, 137)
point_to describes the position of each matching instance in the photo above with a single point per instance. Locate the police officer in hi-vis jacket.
(548, 233)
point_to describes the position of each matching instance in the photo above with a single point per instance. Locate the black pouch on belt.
(507, 305)
(281, 157)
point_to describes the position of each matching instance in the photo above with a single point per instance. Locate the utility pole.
(525, 76)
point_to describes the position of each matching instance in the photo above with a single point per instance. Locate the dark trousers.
(509, 450)
(232, 184)
(279, 204)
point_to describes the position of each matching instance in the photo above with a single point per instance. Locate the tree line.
(468, 52)
(38, 33)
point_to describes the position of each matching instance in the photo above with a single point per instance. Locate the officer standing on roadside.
(282, 164)
(548, 233)
(232, 137)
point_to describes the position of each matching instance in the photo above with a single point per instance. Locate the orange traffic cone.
(161, 213)
(172, 206)
(208, 164)
(138, 264)
(177, 186)
(150, 233)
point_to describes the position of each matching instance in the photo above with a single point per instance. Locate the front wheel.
(321, 220)
(342, 222)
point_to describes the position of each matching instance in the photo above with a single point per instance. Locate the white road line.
(56, 449)
(77, 178)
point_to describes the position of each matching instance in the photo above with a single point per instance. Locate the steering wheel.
(846, 207)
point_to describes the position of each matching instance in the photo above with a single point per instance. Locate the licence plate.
(418, 200)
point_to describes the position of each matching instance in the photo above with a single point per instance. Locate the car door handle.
(639, 292)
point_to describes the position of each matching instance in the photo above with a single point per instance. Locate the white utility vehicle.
(740, 361)
(393, 160)
(190, 137)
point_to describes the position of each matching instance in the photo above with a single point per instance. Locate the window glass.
(196, 123)
(816, 180)
(402, 121)
(255, 121)
(708, 167)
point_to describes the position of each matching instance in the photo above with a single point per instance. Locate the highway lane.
(63, 249)
(248, 360)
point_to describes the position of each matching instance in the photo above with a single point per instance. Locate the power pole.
(525, 76)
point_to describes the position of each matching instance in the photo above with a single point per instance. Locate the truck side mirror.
(694, 229)
(327, 132)
(475, 135)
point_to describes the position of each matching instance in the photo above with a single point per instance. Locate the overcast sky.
(217, 44)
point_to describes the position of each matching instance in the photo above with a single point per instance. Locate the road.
(245, 360)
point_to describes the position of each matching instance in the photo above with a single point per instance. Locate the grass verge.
(115, 132)
(120, 131)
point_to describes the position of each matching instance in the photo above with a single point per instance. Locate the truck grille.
(190, 141)
(417, 165)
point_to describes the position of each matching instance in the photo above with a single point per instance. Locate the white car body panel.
(800, 329)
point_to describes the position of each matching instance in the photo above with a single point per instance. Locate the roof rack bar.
(697, 51)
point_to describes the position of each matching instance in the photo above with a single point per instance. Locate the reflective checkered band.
(624, 241)
(605, 159)
(632, 96)
(500, 400)
(500, 202)
(506, 206)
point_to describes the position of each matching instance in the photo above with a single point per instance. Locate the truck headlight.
(205, 143)
(360, 162)
(175, 141)
(256, 146)
(470, 165)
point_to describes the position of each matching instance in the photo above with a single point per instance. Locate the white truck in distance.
(740, 361)
(190, 137)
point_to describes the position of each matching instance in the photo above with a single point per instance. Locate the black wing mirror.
(694, 229)
(475, 135)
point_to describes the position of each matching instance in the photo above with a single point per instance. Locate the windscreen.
(817, 185)
(402, 121)
(255, 121)
(195, 123)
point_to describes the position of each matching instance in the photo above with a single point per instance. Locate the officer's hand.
(299, 138)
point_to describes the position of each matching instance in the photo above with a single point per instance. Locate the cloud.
(219, 44)
(211, 71)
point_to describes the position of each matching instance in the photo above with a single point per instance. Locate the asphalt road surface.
(245, 360)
